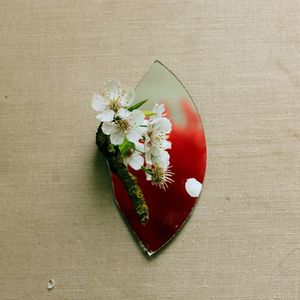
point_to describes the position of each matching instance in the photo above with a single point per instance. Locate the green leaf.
(137, 105)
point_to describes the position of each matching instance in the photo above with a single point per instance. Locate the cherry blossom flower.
(126, 124)
(111, 99)
(159, 112)
(156, 140)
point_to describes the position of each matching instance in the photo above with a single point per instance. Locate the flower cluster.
(142, 136)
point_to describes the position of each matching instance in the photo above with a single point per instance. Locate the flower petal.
(159, 109)
(167, 145)
(106, 116)
(117, 137)
(98, 103)
(108, 128)
(137, 117)
(164, 125)
(145, 123)
(140, 146)
(112, 89)
(163, 159)
(193, 187)
(123, 113)
(127, 97)
(135, 161)
(134, 135)
(155, 150)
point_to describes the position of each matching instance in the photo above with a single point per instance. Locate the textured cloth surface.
(240, 62)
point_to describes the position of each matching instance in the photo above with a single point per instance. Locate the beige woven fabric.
(240, 62)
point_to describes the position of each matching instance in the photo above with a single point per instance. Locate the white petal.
(108, 128)
(137, 117)
(167, 145)
(112, 89)
(123, 113)
(148, 158)
(136, 161)
(111, 85)
(98, 103)
(140, 146)
(127, 97)
(147, 139)
(193, 187)
(163, 159)
(155, 150)
(117, 138)
(143, 130)
(106, 116)
(145, 122)
(134, 135)
(164, 125)
(159, 109)
(51, 284)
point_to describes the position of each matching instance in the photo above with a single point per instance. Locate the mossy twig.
(115, 161)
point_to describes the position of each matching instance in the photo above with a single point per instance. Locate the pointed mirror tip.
(147, 251)
(150, 253)
(157, 61)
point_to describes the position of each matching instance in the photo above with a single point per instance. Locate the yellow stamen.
(161, 177)
(115, 104)
(122, 124)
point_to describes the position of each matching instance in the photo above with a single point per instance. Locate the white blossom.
(159, 112)
(111, 99)
(126, 124)
(156, 141)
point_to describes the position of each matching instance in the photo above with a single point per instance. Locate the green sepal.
(148, 113)
(137, 105)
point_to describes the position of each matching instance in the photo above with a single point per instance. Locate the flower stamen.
(114, 104)
(122, 124)
(161, 176)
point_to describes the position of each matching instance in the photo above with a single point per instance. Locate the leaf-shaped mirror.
(165, 210)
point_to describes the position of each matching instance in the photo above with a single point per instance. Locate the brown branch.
(115, 161)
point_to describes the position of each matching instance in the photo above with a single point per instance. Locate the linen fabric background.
(240, 62)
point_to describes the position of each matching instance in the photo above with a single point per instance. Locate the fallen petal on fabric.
(51, 284)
